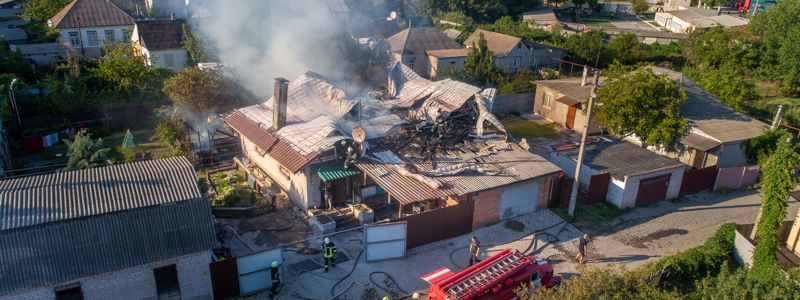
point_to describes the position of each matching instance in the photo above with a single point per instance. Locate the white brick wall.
(137, 282)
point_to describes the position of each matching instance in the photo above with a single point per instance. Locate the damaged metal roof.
(512, 163)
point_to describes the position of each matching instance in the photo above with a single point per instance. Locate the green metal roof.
(332, 171)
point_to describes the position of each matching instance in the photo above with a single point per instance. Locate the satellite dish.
(359, 135)
(392, 16)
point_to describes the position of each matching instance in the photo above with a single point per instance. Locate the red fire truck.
(493, 278)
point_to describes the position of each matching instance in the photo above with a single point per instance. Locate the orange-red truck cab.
(494, 278)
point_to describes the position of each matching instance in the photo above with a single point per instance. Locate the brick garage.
(511, 200)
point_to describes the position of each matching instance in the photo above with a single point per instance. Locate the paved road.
(639, 236)
(667, 227)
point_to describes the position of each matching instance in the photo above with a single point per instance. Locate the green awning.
(333, 171)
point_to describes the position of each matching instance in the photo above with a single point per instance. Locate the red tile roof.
(90, 13)
(280, 150)
(161, 34)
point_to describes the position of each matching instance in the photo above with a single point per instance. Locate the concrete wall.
(159, 58)
(121, 34)
(742, 249)
(519, 199)
(136, 282)
(522, 103)
(545, 57)
(632, 185)
(418, 62)
(616, 190)
(568, 165)
(521, 54)
(439, 66)
(297, 185)
(732, 155)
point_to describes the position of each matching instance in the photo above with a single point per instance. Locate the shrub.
(739, 284)
(699, 262)
(601, 283)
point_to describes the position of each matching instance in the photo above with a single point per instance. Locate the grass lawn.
(597, 22)
(521, 128)
(768, 104)
(143, 136)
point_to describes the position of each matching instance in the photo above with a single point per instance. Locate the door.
(571, 117)
(598, 188)
(385, 241)
(652, 190)
(224, 278)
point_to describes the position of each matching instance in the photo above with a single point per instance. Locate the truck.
(495, 278)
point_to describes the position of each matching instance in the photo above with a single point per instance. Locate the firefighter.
(329, 254)
(474, 250)
(276, 279)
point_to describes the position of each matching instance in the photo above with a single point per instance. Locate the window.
(167, 281)
(69, 292)
(110, 36)
(91, 36)
(284, 172)
(169, 59)
(453, 63)
(74, 40)
(411, 62)
(547, 100)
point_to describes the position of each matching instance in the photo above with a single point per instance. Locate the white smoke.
(263, 39)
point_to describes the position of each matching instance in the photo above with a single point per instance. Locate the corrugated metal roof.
(32, 200)
(333, 170)
(514, 164)
(90, 13)
(250, 129)
(622, 159)
(699, 142)
(100, 220)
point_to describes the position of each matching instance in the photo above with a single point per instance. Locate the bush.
(700, 262)
(739, 284)
(601, 283)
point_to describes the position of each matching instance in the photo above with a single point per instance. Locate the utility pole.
(574, 195)
(13, 99)
(776, 122)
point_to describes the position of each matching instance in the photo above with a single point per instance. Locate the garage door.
(519, 199)
(652, 190)
(385, 241)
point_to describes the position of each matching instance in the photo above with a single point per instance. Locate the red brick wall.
(487, 207)
(545, 186)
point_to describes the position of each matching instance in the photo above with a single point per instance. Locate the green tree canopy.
(640, 7)
(42, 10)
(198, 93)
(730, 88)
(127, 72)
(84, 153)
(587, 48)
(478, 67)
(627, 49)
(718, 47)
(761, 147)
(777, 182)
(779, 31)
(642, 103)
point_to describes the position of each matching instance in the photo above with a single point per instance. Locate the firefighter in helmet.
(276, 279)
(329, 254)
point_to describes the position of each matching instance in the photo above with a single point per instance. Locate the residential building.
(160, 43)
(621, 173)
(686, 19)
(303, 153)
(85, 25)
(509, 52)
(14, 36)
(47, 54)
(562, 102)
(544, 55)
(452, 33)
(447, 60)
(129, 231)
(717, 133)
(542, 17)
(411, 47)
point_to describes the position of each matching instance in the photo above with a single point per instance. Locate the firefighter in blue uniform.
(329, 254)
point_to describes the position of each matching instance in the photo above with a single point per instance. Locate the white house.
(85, 25)
(686, 19)
(160, 43)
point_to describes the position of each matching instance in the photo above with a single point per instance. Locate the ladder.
(491, 275)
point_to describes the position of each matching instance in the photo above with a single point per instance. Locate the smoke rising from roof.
(261, 40)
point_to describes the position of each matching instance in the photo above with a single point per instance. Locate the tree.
(84, 153)
(127, 72)
(522, 82)
(627, 49)
(640, 7)
(198, 93)
(587, 48)
(644, 104)
(738, 284)
(777, 182)
(600, 283)
(194, 46)
(761, 147)
(41, 10)
(721, 48)
(479, 67)
(730, 88)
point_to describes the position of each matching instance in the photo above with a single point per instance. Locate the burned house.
(421, 146)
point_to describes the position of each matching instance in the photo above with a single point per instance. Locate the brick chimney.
(279, 103)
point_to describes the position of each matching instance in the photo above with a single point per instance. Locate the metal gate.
(385, 241)
(254, 273)
(439, 224)
(652, 190)
(224, 278)
(695, 181)
(598, 188)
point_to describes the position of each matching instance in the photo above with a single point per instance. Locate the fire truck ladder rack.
(487, 277)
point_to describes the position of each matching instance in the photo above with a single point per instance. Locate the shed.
(622, 173)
